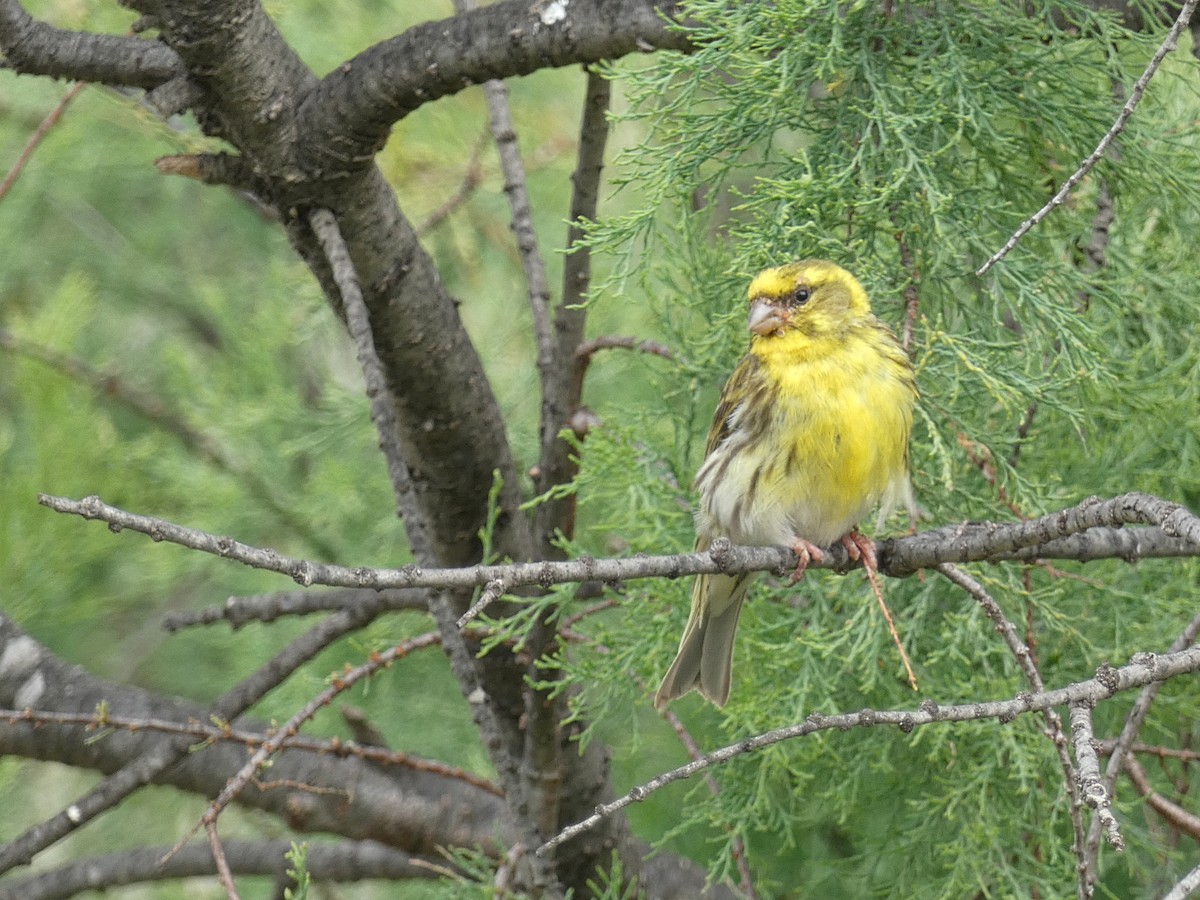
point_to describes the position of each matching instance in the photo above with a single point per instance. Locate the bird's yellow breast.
(832, 417)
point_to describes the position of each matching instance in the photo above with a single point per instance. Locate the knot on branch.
(302, 574)
(721, 549)
(1108, 678)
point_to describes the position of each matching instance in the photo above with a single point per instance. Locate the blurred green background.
(189, 295)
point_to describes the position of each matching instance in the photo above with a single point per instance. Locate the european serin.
(810, 434)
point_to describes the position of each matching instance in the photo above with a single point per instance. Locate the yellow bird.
(810, 434)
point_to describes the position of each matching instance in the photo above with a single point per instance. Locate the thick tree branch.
(355, 795)
(345, 861)
(404, 808)
(448, 425)
(40, 678)
(35, 48)
(212, 733)
(1084, 532)
(351, 113)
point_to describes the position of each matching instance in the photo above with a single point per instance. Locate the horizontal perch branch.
(1091, 530)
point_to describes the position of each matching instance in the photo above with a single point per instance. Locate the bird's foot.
(861, 547)
(807, 552)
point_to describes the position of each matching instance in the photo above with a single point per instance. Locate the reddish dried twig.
(471, 181)
(38, 136)
(272, 744)
(218, 852)
(982, 459)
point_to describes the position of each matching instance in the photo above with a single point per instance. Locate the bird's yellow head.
(813, 296)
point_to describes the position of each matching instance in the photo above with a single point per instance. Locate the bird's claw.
(861, 547)
(807, 552)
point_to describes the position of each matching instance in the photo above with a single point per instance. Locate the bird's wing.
(744, 381)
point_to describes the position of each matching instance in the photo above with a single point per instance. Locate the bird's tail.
(705, 658)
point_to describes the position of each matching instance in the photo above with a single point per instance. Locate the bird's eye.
(801, 296)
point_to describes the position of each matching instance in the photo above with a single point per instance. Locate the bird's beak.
(764, 317)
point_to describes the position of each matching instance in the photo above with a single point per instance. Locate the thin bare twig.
(516, 187)
(1143, 669)
(1023, 429)
(383, 415)
(269, 747)
(1091, 788)
(1107, 746)
(241, 611)
(492, 592)
(912, 297)
(982, 459)
(873, 578)
(1023, 653)
(1125, 740)
(218, 852)
(562, 398)
(38, 136)
(1135, 96)
(1176, 815)
(585, 351)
